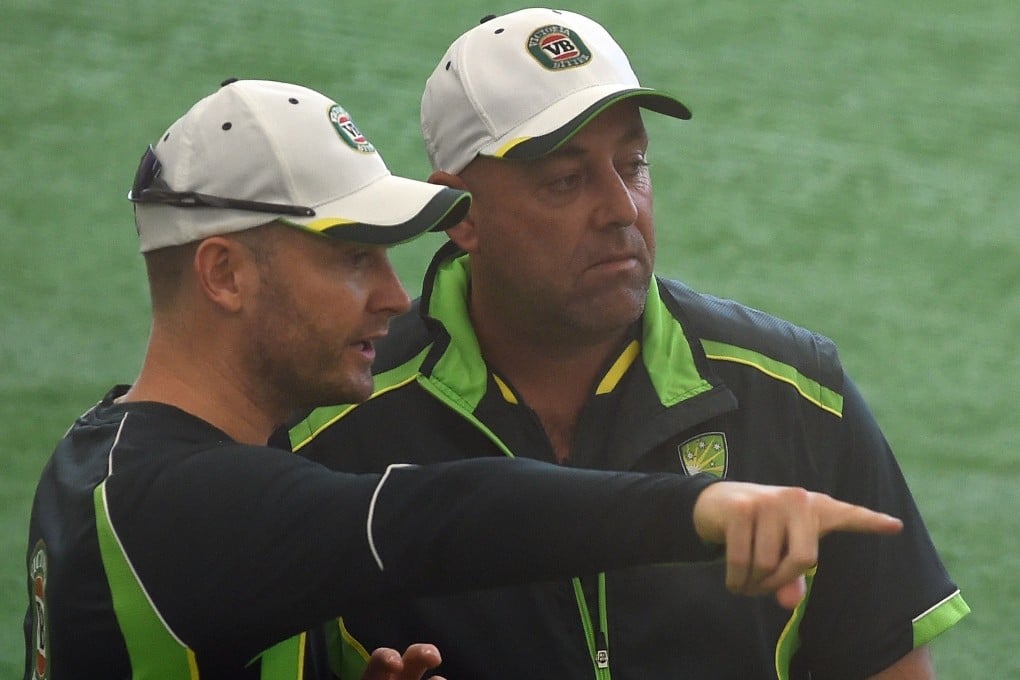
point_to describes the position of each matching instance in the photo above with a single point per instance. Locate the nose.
(390, 297)
(617, 205)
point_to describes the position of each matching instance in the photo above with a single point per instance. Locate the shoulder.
(729, 330)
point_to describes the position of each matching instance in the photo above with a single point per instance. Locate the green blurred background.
(850, 166)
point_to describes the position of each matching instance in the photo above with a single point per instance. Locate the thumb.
(790, 595)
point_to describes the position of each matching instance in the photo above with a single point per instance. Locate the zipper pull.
(601, 650)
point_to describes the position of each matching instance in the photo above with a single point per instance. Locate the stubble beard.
(603, 316)
(586, 321)
(294, 366)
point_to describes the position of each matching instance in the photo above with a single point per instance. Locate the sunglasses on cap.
(149, 187)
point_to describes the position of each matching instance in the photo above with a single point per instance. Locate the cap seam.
(470, 91)
(269, 131)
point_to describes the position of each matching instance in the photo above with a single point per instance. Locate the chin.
(339, 392)
(356, 391)
(619, 309)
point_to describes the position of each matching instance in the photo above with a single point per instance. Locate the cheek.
(338, 313)
(645, 222)
(335, 288)
(324, 305)
(532, 254)
(647, 230)
(525, 235)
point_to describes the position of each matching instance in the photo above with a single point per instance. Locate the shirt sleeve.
(489, 522)
(242, 546)
(873, 598)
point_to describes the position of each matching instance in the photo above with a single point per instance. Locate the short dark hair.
(165, 268)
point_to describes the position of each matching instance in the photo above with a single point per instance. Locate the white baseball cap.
(522, 84)
(256, 151)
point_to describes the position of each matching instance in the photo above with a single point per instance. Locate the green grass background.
(850, 166)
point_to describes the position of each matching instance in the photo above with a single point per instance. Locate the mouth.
(365, 349)
(617, 262)
(366, 345)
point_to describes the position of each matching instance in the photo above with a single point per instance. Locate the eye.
(635, 166)
(566, 182)
(359, 257)
(352, 256)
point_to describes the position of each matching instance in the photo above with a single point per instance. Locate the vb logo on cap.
(349, 132)
(557, 47)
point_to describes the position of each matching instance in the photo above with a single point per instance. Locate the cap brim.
(388, 211)
(546, 132)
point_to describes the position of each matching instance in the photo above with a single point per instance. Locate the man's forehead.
(618, 125)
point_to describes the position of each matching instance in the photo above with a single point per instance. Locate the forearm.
(495, 522)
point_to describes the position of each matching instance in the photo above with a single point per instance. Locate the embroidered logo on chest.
(704, 453)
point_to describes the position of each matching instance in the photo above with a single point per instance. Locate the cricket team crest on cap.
(557, 47)
(704, 453)
(349, 132)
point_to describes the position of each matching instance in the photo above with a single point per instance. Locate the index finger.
(834, 515)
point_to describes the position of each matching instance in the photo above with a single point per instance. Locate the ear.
(223, 267)
(463, 233)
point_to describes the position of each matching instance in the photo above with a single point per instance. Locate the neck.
(198, 380)
(554, 376)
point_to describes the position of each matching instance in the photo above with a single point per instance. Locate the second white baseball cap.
(521, 84)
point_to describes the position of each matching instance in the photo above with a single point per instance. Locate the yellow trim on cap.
(506, 148)
(325, 223)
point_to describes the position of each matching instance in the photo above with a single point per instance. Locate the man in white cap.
(168, 541)
(542, 332)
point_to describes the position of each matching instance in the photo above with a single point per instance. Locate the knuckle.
(739, 563)
(804, 558)
(799, 496)
(768, 564)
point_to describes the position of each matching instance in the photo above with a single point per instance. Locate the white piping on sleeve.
(120, 546)
(371, 512)
(935, 606)
(116, 440)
